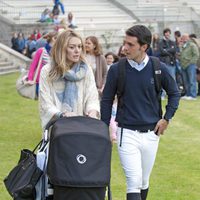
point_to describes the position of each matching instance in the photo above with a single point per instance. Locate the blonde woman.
(97, 61)
(67, 86)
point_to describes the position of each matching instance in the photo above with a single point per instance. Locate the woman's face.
(74, 49)
(89, 46)
(109, 59)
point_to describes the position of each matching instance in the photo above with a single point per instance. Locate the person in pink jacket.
(40, 59)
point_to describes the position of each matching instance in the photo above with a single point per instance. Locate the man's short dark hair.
(166, 30)
(177, 33)
(142, 33)
(193, 35)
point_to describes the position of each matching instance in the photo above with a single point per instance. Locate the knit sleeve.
(47, 107)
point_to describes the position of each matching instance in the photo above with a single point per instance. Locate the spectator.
(40, 59)
(56, 20)
(59, 3)
(42, 41)
(110, 59)
(97, 61)
(14, 41)
(71, 20)
(50, 38)
(62, 26)
(155, 44)
(55, 11)
(21, 43)
(121, 52)
(193, 38)
(198, 81)
(31, 45)
(177, 36)
(188, 59)
(37, 34)
(167, 51)
(45, 16)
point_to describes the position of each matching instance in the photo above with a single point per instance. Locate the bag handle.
(37, 146)
(38, 66)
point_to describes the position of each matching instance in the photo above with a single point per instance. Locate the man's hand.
(161, 126)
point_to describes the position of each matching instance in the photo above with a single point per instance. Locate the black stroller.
(78, 160)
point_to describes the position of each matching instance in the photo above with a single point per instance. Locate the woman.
(40, 59)
(97, 61)
(71, 20)
(67, 86)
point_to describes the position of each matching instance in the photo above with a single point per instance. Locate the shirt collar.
(140, 66)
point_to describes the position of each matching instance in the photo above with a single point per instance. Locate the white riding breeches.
(137, 154)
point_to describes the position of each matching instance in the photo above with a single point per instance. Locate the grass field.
(176, 174)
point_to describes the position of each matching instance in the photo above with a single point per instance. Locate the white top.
(140, 66)
(91, 60)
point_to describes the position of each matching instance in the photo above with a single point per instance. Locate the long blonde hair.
(60, 64)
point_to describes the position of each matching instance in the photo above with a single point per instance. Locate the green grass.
(176, 174)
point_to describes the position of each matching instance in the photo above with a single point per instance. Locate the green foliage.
(175, 176)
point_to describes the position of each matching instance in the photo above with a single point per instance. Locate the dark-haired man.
(140, 123)
(167, 51)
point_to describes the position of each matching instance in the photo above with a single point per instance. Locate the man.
(139, 122)
(188, 59)
(167, 51)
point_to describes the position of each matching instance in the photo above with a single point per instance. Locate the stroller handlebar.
(51, 122)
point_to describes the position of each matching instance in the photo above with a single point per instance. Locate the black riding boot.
(144, 194)
(133, 196)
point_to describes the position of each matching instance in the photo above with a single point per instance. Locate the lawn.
(176, 174)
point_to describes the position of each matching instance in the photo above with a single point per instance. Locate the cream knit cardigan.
(49, 103)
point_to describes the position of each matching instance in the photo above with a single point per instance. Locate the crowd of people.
(52, 16)
(181, 54)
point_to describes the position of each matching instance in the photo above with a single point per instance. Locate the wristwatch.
(166, 119)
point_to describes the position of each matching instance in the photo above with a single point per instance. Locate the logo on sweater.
(81, 158)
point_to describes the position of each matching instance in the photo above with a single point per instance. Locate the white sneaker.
(190, 98)
(184, 97)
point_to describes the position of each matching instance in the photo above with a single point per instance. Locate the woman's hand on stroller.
(69, 114)
(93, 114)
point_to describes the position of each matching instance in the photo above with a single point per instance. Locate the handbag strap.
(37, 146)
(38, 66)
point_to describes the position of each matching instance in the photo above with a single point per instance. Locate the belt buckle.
(145, 131)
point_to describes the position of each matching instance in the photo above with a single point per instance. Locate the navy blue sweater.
(141, 105)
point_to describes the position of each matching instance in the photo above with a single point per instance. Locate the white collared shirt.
(140, 66)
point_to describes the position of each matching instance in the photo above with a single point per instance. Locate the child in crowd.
(113, 123)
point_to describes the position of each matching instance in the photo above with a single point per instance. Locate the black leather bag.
(21, 181)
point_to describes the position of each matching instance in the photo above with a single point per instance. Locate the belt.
(140, 129)
(143, 131)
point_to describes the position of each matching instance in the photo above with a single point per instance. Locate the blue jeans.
(37, 89)
(57, 2)
(172, 71)
(189, 76)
